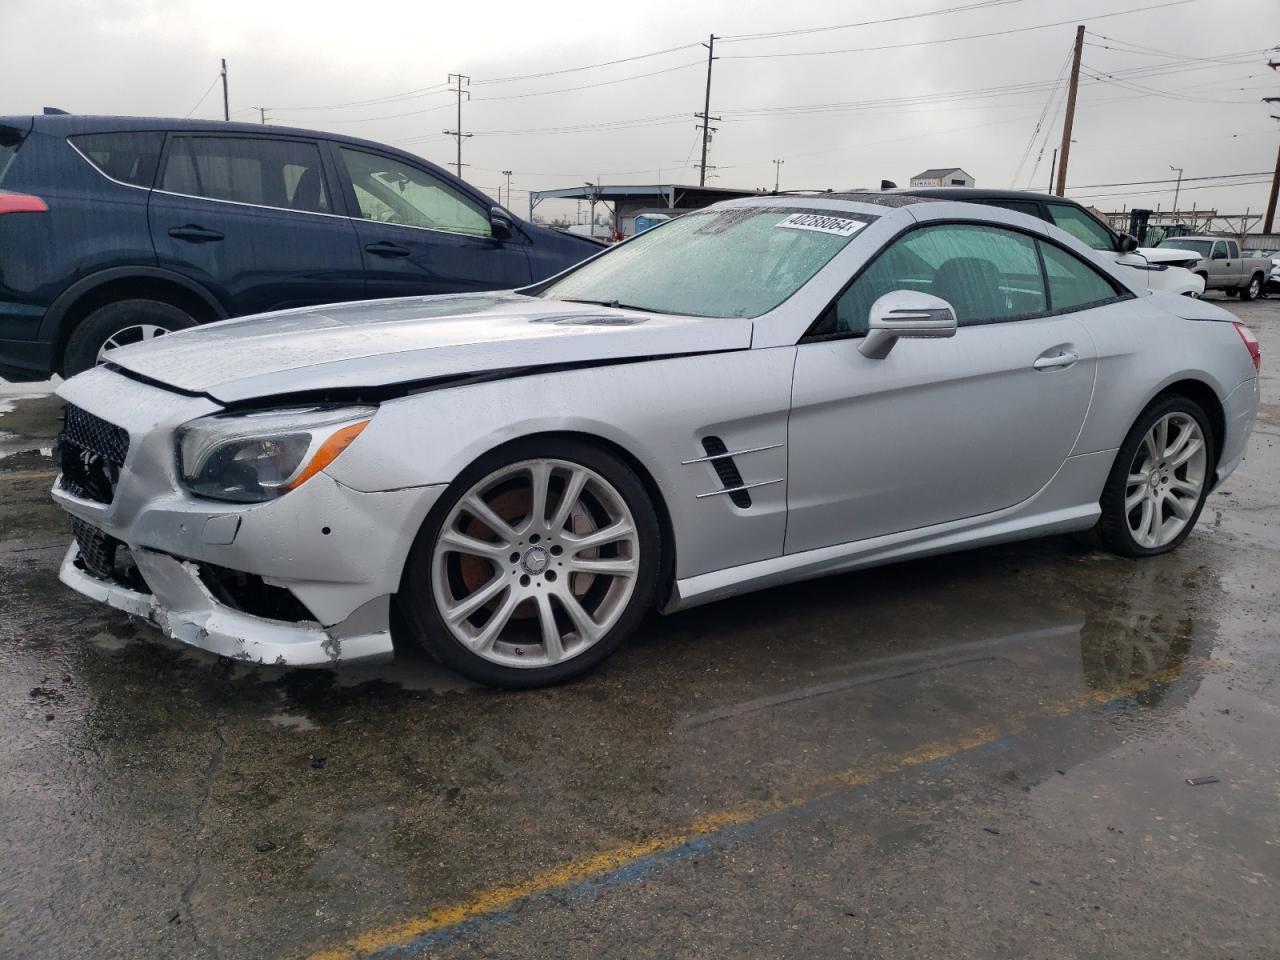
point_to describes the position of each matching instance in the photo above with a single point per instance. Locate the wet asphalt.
(981, 755)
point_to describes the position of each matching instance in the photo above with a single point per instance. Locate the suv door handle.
(1055, 360)
(194, 233)
(384, 248)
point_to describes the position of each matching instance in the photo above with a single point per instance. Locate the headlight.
(254, 457)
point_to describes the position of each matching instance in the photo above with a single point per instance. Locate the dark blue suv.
(117, 229)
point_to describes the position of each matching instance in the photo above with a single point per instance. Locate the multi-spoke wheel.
(120, 324)
(534, 565)
(1160, 479)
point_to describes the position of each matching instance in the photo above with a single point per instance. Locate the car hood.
(1166, 254)
(381, 343)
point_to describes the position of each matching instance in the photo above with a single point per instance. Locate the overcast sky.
(1185, 90)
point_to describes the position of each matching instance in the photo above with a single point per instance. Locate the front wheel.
(536, 564)
(1253, 290)
(1159, 481)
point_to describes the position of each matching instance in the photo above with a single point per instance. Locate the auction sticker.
(839, 226)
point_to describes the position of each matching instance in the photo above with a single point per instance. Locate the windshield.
(739, 262)
(1181, 243)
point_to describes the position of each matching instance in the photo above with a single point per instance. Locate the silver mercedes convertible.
(762, 391)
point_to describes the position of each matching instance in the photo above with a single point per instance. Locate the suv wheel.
(120, 324)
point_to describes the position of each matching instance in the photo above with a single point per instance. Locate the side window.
(1073, 284)
(1219, 250)
(393, 192)
(1233, 250)
(987, 274)
(1082, 226)
(272, 173)
(128, 157)
(1017, 206)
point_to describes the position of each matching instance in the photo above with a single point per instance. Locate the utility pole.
(507, 174)
(1053, 165)
(1275, 191)
(705, 115)
(458, 134)
(226, 103)
(1176, 190)
(262, 113)
(1069, 120)
(777, 173)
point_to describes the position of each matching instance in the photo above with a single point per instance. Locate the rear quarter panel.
(1144, 347)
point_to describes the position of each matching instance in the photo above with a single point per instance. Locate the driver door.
(420, 234)
(938, 430)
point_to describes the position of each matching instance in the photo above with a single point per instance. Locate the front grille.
(91, 453)
(105, 557)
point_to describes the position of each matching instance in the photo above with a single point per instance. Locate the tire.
(1167, 488)
(126, 322)
(1254, 290)
(524, 573)
(1230, 291)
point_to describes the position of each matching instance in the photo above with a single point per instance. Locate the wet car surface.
(981, 755)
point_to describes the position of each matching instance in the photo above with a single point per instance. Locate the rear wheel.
(1253, 290)
(120, 324)
(1159, 481)
(536, 564)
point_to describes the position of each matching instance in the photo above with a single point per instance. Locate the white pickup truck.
(1220, 262)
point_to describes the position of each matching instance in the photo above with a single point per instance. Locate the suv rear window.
(129, 157)
(265, 172)
(1081, 226)
(10, 141)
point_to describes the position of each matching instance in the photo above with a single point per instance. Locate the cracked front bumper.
(184, 609)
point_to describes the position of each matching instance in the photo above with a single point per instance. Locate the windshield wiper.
(612, 304)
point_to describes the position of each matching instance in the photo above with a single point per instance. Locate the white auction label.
(840, 226)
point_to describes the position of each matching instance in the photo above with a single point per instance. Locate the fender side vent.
(726, 470)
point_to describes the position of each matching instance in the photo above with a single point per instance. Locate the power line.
(972, 36)
(433, 90)
(1203, 186)
(217, 77)
(1144, 183)
(589, 86)
(980, 5)
(589, 66)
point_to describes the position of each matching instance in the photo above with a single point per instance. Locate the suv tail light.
(21, 203)
(1250, 344)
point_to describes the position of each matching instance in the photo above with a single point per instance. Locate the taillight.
(1250, 344)
(21, 203)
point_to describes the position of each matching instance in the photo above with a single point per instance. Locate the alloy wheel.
(136, 333)
(1166, 480)
(535, 563)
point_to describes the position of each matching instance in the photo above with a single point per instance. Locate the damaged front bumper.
(305, 579)
(185, 609)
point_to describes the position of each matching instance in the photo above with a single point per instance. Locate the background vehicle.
(1159, 272)
(1273, 280)
(115, 230)
(584, 449)
(1223, 266)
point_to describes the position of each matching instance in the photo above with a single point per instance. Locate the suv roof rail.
(56, 112)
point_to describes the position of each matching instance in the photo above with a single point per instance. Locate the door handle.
(1054, 361)
(194, 233)
(384, 248)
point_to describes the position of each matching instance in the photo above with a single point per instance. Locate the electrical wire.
(973, 36)
(203, 97)
(980, 5)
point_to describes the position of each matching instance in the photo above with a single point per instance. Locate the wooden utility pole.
(706, 111)
(1275, 191)
(226, 102)
(1064, 152)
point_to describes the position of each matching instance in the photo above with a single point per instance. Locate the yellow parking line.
(594, 865)
(30, 475)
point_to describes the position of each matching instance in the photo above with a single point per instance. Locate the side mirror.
(1127, 243)
(500, 224)
(905, 313)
